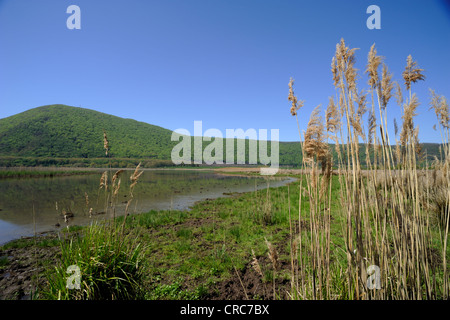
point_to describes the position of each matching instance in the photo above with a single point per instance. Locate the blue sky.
(226, 63)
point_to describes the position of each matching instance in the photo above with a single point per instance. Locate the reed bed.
(395, 217)
(373, 232)
(107, 255)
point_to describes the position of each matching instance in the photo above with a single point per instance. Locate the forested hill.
(71, 132)
(65, 135)
(60, 131)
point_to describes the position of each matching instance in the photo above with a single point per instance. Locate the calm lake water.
(32, 205)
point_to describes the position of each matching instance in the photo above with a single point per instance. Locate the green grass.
(217, 236)
(39, 173)
(110, 265)
(183, 254)
(41, 242)
(4, 261)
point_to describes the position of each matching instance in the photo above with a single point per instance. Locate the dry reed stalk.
(135, 177)
(115, 186)
(296, 104)
(134, 180)
(272, 254)
(104, 184)
(255, 265)
(273, 257)
(86, 199)
(104, 180)
(240, 281)
(105, 143)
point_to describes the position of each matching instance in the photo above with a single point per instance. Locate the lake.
(36, 205)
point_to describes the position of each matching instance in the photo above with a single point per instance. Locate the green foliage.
(3, 261)
(110, 265)
(59, 131)
(60, 135)
(37, 173)
(174, 291)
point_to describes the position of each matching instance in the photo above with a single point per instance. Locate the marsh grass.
(110, 266)
(108, 256)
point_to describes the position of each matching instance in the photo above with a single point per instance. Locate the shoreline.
(15, 279)
(239, 172)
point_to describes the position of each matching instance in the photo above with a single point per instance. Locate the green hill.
(63, 131)
(72, 136)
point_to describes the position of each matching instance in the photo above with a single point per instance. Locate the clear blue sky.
(224, 62)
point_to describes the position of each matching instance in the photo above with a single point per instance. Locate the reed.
(387, 215)
(109, 258)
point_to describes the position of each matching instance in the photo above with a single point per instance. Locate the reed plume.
(104, 180)
(440, 106)
(332, 120)
(115, 186)
(398, 94)
(135, 177)
(105, 142)
(344, 62)
(255, 265)
(335, 71)
(272, 254)
(296, 105)
(314, 137)
(116, 175)
(373, 61)
(408, 122)
(386, 87)
(412, 73)
(356, 117)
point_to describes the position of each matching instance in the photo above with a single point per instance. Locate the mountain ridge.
(62, 131)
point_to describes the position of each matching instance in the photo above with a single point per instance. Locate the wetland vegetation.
(343, 230)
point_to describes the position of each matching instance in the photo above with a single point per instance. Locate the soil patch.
(21, 271)
(248, 284)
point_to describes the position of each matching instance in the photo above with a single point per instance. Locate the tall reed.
(386, 212)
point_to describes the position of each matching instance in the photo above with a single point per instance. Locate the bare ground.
(21, 270)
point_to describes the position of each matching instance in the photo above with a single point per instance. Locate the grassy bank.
(5, 174)
(249, 245)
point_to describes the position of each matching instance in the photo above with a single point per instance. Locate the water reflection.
(38, 204)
